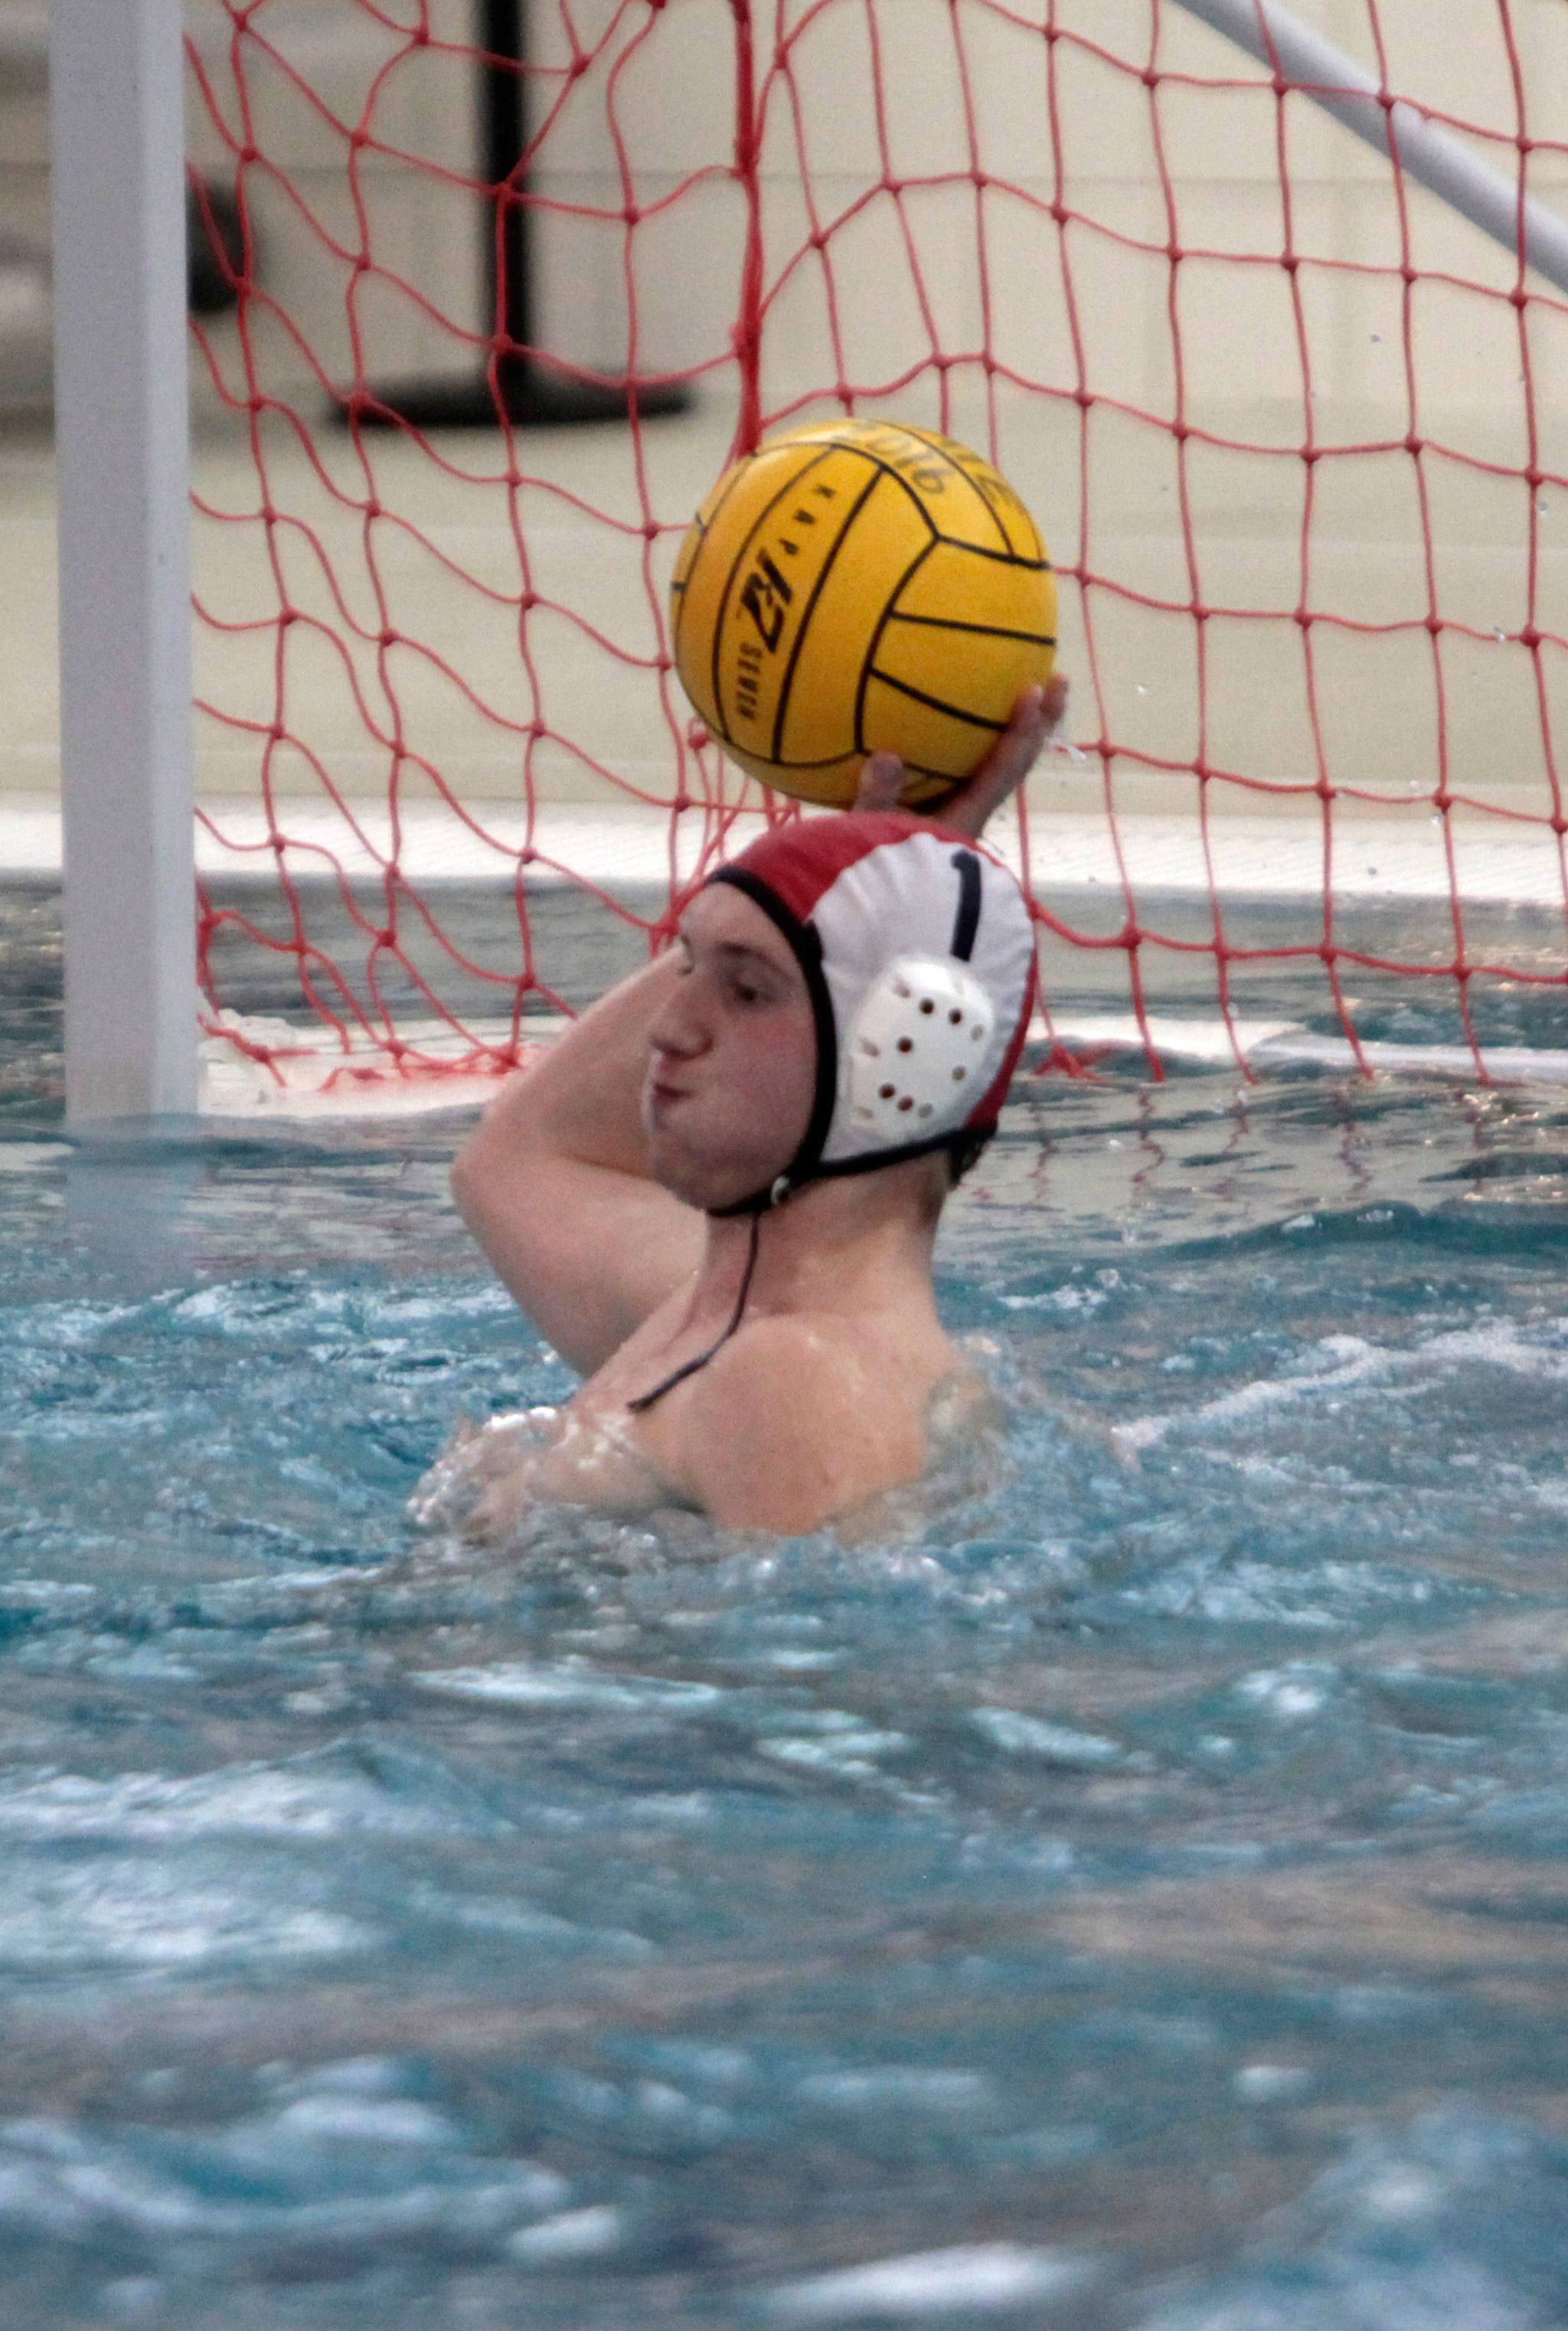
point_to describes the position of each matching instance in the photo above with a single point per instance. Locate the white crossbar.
(1432, 155)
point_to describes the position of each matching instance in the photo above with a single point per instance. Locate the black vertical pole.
(506, 234)
(528, 390)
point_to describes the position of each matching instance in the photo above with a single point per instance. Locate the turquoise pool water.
(1133, 1898)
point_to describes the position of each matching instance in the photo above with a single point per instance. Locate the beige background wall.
(667, 79)
(671, 80)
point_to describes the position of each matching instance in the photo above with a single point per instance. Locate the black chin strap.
(645, 1400)
(964, 1148)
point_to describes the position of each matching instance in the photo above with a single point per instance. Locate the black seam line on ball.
(787, 683)
(985, 631)
(902, 482)
(997, 557)
(736, 563)
(954, 711)
(869, 661)
(833, 761)
(974, 484)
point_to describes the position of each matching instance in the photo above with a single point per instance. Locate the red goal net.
(1288, 410)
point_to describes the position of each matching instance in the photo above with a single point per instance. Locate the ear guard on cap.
(910, 1067)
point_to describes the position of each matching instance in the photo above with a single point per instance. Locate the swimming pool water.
(1131, 1896)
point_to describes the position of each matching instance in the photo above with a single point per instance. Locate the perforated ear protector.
(912, 1063)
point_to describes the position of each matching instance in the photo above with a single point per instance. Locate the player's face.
(732, 1068)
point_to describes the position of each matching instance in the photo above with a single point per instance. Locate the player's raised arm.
(553, 1181)
(585, 1180)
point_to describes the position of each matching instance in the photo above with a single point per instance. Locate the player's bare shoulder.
(794, 1421)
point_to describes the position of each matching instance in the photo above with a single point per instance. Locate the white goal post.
(117, 107)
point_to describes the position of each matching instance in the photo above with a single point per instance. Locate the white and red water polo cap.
(917, 949)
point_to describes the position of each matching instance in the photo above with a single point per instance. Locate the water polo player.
(718, 1195)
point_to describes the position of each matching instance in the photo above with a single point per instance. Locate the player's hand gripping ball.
(856, 587)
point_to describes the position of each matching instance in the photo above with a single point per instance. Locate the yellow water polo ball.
(855, 587)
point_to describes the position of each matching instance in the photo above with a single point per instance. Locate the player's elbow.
(486, 1183)
(503, 1213)
(460, 1180)
(490, 1160)
(473, 1171)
